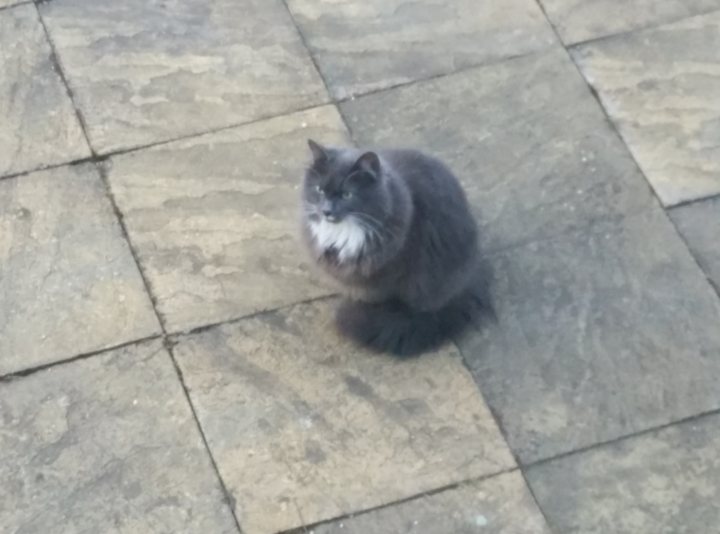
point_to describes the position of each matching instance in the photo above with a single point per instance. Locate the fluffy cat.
(394, 228)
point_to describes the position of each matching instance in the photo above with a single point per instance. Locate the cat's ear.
(366, 170)
(369, 163)
(319, 152)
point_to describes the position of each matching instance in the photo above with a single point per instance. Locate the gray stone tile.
(151, 71)
(699, 224)
(580, 20)
(665, 482)
(374, 44)
(305, 427)
(500, 505)
(214, 219)
(526, 138)
(600, 334)
(106, 444)
(662, 89)
(39, 126)
(68, 281)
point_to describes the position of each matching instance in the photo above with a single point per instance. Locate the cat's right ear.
(369, 163)
(319, 152)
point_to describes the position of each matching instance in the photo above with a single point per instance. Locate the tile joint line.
(504, 434)
(608, 118)
(428, 493)
(167, 343)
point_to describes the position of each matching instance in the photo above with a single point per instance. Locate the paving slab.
(375, 44)
(500, 505)
(665, 482)
(9, 3)
(699, 224)
(662, 89)
(39, 126)
(106, 444)
(68, 280)
(600, 334)
(215, 219)
(305, 427)
(527, 139)
(144, 72)
(581, 20)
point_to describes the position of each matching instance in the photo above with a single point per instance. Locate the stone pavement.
(167, 360)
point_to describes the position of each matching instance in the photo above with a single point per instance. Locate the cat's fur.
(394, 228)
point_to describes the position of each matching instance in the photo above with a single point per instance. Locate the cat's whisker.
(375, 236)
(310, 211)
(369, 229)
(371, 232)
(370, 222)
(376, 223)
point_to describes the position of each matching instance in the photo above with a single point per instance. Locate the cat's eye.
(347, 195)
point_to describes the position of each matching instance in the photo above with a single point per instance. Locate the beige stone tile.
(215, 219)
(68, 282)
(106, 444)
(366, 45)
(304, 427)
(662, 89)
(580, 20)
(149, 71)
(665, 482)
(530, 144)
(39, 126)
(498, 505)
(600, 334)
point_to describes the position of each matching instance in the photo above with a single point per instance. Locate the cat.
(394, 229)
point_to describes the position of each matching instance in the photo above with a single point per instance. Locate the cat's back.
(440, 205)
(433, 185)
(423, 174)
(441, 248)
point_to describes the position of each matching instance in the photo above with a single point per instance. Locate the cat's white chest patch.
(346, 237)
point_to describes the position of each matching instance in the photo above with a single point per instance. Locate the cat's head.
(344, 185)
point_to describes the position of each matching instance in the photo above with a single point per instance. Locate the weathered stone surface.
(304, 427)
(68, 282)
(214, 219)
(151, 71)
(106, 444)
(666, 482)
(662, 89)
(8, 3)
(580, 20)
(39, 126)
(526, 138)
(599, 334)
(699, 224)
(364, 46)
(500, 505)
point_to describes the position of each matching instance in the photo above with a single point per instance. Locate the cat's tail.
(394, 327)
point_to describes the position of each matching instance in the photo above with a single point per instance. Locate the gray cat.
(394, 228)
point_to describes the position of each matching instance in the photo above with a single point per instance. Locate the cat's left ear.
(369, 163)
(319, 152)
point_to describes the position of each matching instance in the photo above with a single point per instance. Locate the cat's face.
(344, 186)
